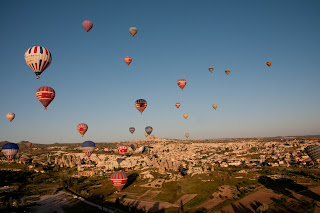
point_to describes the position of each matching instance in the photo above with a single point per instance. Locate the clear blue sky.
(175, 39)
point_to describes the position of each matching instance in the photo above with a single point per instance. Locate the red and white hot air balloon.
(182, 83)
(82, 128)
(122, 150)
(10, 116)
(45, 95)
(178, 105)
(141, 104)
(119, 179)
(38, 59)
(128, 60)
(87, 25)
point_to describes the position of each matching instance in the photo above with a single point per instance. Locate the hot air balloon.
(122, 150)
(215, 106)
(227, 71)
(38, 59)
(182, 83)
(88, 147)
(133, 30)
(133, 146)
(141, 104)
(187, 135)
(132, 129)
(185, 115)
(128, 60)
(269, 63)
(29, 145)
(45, 95)
(10, 150)
(146, 134)
(178, 105)
(313, 151)
(141, 148)
(82, 128)
(87, 25)
(210, 69)
(10, 116)
(119, 179)
(148, 130)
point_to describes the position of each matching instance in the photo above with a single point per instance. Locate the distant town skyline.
(175, 40)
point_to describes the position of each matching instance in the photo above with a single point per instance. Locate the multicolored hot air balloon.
(141, 104)
(82, 128)
(119, 179)
(128, 60)
(10, 150)
(185, 115)
(210, 69)
(149, 130)
(88, 147)
(313, 151)
(29, 144)
(187, 135)
(122, 150)
(132, 129)
(133, 30)
(146, 134)
(10, 116)
(38, 59)
(227, 71)
(269, 63)
(182, 83)
(87, 25)
(141, 148)
(178, 105)
(45, 95)
(215, 106)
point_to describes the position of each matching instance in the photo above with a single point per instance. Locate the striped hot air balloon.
(38, 59)
(10, 116)
(141, 104)
(88, 147)
(82, 128)
(210, 69)
(10, 150)
(119, 179)
(133, 31)
(45, 95)
(178, 105)
(182, 83)
(227, 71)
(149, 130)
(313, 151)
(128, 60)
(132, 129)
(122, 150)
(87, 25)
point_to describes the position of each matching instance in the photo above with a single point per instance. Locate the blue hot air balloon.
(313, 151)
(88, 147)
(10, 150)
(148, 130)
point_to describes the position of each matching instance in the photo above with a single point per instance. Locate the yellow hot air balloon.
(185, 115)
(211, 69)
(187, 135)
(215, 106)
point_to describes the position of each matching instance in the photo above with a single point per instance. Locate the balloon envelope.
(10, 116)
(119, 179)
(187, 135)
(269, 63)
(82, 128)
(185, 115)
(88, 147)
(45, 95)
(313, 151)
(132, 129)
(148, 130)
(227, 71)
(38, 59)
(29, 144)
(146, 134)
(128, 60)
(210, 69)
(178, 105)
(10, 150)
(122, 150)
(182, 83)
(215, 106)
(133, 30)
(87, 25)
(141, 104)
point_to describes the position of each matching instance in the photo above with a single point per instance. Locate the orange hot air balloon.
(227, 71)
(45, 95)
(128, 60)
(182, 83)
(10, 116)
(185, 116)
(269, 63)
(82, 128)
(178, 105)
(141, 104)
(215, 106)
(211, 69)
